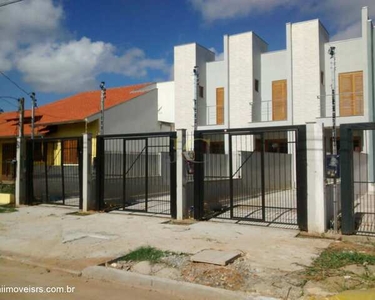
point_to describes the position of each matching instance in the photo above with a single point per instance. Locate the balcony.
(210, 115)
(347, 105)
(266, 111)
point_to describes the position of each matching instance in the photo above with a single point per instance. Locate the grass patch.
(7, 188)
(331, 260)
(147, 253)
(8, 208)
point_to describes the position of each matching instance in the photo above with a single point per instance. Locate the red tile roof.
(71, 109)
(82, 105)
(9, 125)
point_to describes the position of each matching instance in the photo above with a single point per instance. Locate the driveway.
(52, 235)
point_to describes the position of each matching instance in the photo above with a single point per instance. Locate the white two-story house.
(252, 87)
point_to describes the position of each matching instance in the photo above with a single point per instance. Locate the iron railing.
(255, 178)
(347, 104)
(137, 172)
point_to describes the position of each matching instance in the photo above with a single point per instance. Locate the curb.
(44, 266)
(175, 288)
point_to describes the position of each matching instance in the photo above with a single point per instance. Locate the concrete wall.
(323, 53)
(185, 58)
(344, 50)
(158, 182)
(247, 183)
(270, 73)
(166, 103)
(136, 115)
(306, 71)
(241, 79)
(259, 47)
(216, 78)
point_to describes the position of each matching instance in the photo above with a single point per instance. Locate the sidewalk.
(49, 235)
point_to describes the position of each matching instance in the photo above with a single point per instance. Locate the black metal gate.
(54, 171)
(137, 172)
(357, 163)
(252, 175)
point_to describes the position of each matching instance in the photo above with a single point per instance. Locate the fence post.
(88, 200)
(301, 169)
(316, 206)
(198, 176)
(347, 193)
(181, 174)
(20, 172)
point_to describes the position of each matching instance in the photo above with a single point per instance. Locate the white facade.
(305, 65)
(166, 104)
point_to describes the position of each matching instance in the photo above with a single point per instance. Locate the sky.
(57, 48)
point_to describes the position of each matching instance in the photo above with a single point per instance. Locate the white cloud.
(74, 66)
(343, 15)
(213, 10)
(353, 30)
(35, 43)
(27, 23)
(171, 73)
(218, 55)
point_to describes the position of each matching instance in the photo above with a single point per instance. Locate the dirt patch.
(319, 279)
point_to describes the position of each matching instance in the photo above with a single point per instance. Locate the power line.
(7, 101)
(20, 88)
(9, 2)
(10, 103)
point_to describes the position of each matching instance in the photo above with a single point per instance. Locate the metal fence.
(54, 171)
(357, 160)
(137, 172)
(250, 175)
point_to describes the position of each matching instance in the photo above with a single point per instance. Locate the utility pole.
(33, 105)
(334, 161)
(196, 86)
(102, 100)
(21, 110)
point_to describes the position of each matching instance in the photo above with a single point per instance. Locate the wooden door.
(279, 100)
(351, 94)
(220, 106)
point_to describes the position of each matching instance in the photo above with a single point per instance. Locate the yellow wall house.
(69, 117)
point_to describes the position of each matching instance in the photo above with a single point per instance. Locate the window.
(9, 153)
(272, 145)
(321, 77)
(220, 106)
(357, 144)
(351, 94)
(201, 91)
(70, 154)
(38, 151)
(279, 98)
(213, 147)
(256, 85)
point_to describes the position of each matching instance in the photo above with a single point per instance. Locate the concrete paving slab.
(47, 235)
(216, 257)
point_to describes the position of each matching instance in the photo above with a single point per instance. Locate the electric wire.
(20, 88)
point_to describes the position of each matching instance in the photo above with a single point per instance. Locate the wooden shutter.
(358, 93)
(70, 152)
(351, 94)
(220, 106)
(279, 100)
